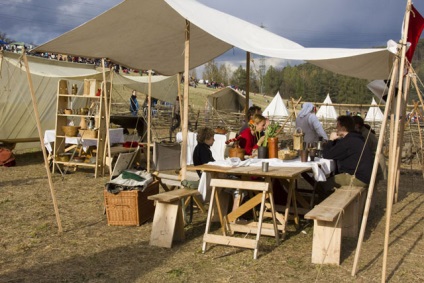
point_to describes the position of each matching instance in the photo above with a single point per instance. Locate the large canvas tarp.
(327, 111)
(276, 108)
(17, 115)
(227, 99)
(159, 42)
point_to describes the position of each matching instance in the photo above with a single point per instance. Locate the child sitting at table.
(251, 138)
(202, 153)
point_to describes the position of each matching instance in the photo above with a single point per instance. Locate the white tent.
(276, 109)
(327, 111)
(16, 115)
(159, 45)
(374, 114)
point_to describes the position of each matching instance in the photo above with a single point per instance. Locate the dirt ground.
(88, 250)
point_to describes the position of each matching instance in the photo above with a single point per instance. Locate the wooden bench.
(337, 216)
(168, 222)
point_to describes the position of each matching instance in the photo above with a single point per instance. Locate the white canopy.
(327, 111)
(374, 114)
(276, 109)
(16, 115)
(157, 42)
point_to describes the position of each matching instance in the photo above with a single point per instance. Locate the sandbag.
(6, 157)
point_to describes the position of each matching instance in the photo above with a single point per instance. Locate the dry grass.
(90, 251)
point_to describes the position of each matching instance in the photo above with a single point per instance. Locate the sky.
(311, 23)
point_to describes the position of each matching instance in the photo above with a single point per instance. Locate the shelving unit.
(74, 102)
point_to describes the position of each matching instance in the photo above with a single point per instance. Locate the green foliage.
(271, 132)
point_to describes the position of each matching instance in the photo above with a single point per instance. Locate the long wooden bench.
(168, 222)
(337, 216)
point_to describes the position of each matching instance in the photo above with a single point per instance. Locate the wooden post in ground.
(186, 94)
(40, 134)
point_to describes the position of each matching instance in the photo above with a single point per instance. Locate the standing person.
(134, 103)
(202, 153)
(250, 113)
(250, 138)
(309, 123)
(176, 116)
(353, 159)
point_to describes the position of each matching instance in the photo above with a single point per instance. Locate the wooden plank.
(242, 185)
(230, 241)
(20, 140)
(251, 203)
(164, 223)
(252, 228)
(326, 243)
(329, 209)
(174, 195)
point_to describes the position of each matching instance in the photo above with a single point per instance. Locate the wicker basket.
(70, 131)
(88, 134)
(287, 155)
(130, 208)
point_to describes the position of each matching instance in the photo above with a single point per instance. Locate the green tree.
(272, 81)
(238, 78)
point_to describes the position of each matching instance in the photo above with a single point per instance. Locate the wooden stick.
(149, 115)
(40, 135)
(186, 101)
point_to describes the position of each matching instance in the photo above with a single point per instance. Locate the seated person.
(251, 138)
(250, 113)
(202, 153)
(353, 159)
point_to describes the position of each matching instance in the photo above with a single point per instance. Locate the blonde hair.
(256, 119)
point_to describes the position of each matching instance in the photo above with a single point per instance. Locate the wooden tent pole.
(247, 83)
(149, 118)
(186, 101)
(107, 120)
(392, 160)
(40, 135)
(401, 130)
(374, 170)
(414, 80)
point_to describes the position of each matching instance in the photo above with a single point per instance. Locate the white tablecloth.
(218, 147)
(116, 136)
(320, 168)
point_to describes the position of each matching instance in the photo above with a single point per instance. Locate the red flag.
(416, 26)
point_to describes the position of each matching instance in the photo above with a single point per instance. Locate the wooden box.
(130, 208)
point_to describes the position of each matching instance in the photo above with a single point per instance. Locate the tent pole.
(46, 163)
(392, 160)
(107, 118)
(374, 170)
(247, 83)
(186, 94)
(414, 80)
(149, 118)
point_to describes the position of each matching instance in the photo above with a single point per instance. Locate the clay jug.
(273, 147)
(83, 123)
(236, 152)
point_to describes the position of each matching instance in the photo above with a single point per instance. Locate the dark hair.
(252, 111)
(347, 122)
(358, 121)
(204, 134)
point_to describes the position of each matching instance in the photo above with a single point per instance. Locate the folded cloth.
(129, 180)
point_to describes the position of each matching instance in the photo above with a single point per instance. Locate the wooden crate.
(130, 208)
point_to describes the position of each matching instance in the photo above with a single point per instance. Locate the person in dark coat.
(202, 153)
(134, 103)
(353, 159)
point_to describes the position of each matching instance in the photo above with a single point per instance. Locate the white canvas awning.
(157, 42)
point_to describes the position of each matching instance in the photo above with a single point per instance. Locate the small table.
(290, 174)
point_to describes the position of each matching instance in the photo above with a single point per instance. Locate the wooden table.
(288, 174)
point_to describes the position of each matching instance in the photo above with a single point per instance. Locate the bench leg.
(353, 217)
(168, 224)
(326, 243)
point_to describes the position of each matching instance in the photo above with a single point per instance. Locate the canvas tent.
(276, 108)
(374, 114)
(327, 111)
(211, 34)
(227, 99)
(16, 115)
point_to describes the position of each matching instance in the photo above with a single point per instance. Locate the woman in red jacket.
(251, 138)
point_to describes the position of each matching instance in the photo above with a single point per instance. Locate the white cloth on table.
(217, 149)
(116, 136)
(320, 169)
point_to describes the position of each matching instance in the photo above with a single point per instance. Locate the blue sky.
(311, 23)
